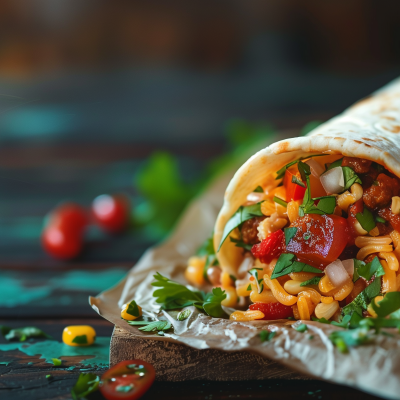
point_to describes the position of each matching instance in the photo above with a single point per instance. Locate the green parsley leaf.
(389, 304)
(337, 163)
(350, 177)
(289, 234)
(380, 219)
(280, 201)
(185, 314)
(304, 170)
(212, 305)
(266, 336)
(240, 243)
(286, 264)
(297, 181)
(301, 328)
(366, 219)
(357, 264)
(86, 384)
(368, 270)
(379, 323)
(326, 204)
(260, 285)
(312, 281)
(248, 287)
(56, 361)
(156, 326)
(81, 339)
(280, 173)
(243, 214)
(349, 338)
(133, 309)
(24, 333)
(48, 376)
(258, 189)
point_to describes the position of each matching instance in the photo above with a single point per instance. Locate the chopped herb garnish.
(367, 270)
(266, 336)
(185, 314)
(56, 361)
(81, 339)
(366, 219)
(286, 264)
(301, 328)
(156, 326)
(337, 163)
(172, 295)
(280, 201)
(297, 181)
(48, 376)
(306, 235)
(124, 388)
(312, 281)
(133, 309)
(326, 204)
(350, 177)
(260, 285)
(349, 338)
(389, 304)
(258, 189)
(281, 172)
(23, 334)
(289, 234)
(243, 214)
(86, 384)
(240, 243)
(311, 337)
(380, 219)
(249, 287)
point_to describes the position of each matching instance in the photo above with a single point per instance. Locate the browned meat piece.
(359, 165)
(380, 193)
(384, 229)
(249, 230)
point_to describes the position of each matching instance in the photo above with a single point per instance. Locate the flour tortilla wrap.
(370, 129)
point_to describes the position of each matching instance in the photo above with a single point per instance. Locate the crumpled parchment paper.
(374, 368)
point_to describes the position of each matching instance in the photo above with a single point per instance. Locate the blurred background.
(153, 99)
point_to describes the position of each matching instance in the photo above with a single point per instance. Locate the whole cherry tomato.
(273, 310)
(69, 216)
(127, 380)
(61, 243)
(111, 212)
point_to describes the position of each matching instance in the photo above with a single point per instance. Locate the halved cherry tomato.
(319, 239)
(69, 216)
(127, 380)
(273, 310)
(61, 243)
(111, 212)
(271, 247)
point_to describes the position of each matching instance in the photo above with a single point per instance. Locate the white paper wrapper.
(374, 368)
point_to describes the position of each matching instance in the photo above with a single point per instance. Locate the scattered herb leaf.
(289, 234)
(258, 189)
(278, 200)
(260, 285)
(368, 270)
(312, 281)
(349, 338)
(249, 287)
(240, 243)
(286, 264)
(48, 376)
(133, 309)
(185, 314)
(366, 219)
(389, 304)
(266, 336)
(297, 181)
(56, 362)
(337, 163)
(81, 339)
(87, 383)
(23, 333)
(380, 219)
(350, 177)
(156, 326)
(301, 328)
(212, 304)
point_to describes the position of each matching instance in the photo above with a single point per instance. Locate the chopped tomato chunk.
(271, 247)
(273, 310)
(293, 190)
(319, 240)
(354, 209)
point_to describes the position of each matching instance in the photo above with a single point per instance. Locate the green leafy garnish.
(366, 219)
(48, 376)
(312, 281)
(337, 163)
(280, 173)
(380, 219)
(240, 243)
(350, 177)
(258, 189)
(260, 285)
(286, 264)
(266, 336)
(249, 287)
(297, 181)
(279, 201)
(86, 384)
(124, 388)
(289, 234)
(326, 204)
(243, 214)
(81, 339)
(349, 338)
(56, 361)
(133, 309)
(367, 270)
(301, 328)
(156, 326)
(389, 304)
(173, 295)
(183, 315)
(23, 334)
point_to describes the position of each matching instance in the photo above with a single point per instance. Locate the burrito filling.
(321, 242)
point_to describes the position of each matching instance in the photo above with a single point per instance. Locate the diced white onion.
(246, 265)
(255, 197)
(349, 266)
(333, 180)
(337, 273)
(316, 169)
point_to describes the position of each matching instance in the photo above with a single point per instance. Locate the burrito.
(310, 226)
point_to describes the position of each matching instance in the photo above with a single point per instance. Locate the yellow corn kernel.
(389, 282)
(326, 300)
(371, 311)
(279, 293)
(344, 290)
(296, 311)
(250, 315)
(194, 271)
(130, 316)
(325, 285)
(226, 280)
(326, 311)
(265, 296)
(231, 297)
(79, 335)
(302, 276)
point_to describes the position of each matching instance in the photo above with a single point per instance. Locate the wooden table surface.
(36, 290)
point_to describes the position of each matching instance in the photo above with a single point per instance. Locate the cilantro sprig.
(286, 264)
(172, 295)
(86, 384)
(366, 219)
(22, 334)
(280, 173)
